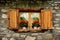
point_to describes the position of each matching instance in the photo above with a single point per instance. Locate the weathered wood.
(13, 14)
(46, 19)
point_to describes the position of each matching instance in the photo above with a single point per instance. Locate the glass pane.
(23, 22)
(25, 15)
(35, 20)
(35, 15)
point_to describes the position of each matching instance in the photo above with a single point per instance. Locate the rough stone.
(34, 34)
(57, 37)
(57, 25)
(8, 35)
(57, 14)
(30, 38)
(12, 39)
(4, 15)
(57, 28)
(48, 37)
(4, 10)
(57, 7)
(4, 38)
(2, 21)
(57, 19)
(22, 36)
(39, 37)
(3, 29)
(15, 35)
(11, 32)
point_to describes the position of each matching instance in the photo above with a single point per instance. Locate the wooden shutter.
(46, 19)
(12, 16)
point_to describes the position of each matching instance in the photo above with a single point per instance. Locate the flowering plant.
(35, 24)
(23, 23)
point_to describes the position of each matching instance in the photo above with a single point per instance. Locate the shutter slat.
(13, 19)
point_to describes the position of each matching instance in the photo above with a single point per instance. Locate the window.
(30, 20)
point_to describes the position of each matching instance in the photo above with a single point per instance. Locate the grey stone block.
(57, 37)
(16, 35)
(22, 36)
(58, 14)
(4, 38)
(12, 39)
(30, 38)
(57, 25)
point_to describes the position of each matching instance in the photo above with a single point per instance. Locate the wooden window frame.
(30, 19)
(29, 12)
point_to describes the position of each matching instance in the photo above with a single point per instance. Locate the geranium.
(23, 23)
(35, 23)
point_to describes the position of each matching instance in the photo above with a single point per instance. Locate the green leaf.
(23, 24)
(22, 18)
(35, 18)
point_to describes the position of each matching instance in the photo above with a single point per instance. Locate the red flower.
(25, 21)
(36, 22)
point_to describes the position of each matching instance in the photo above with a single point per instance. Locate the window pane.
(24, 14)
(23, 22)
(35, 20)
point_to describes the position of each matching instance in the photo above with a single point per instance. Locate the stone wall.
(6, 34)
